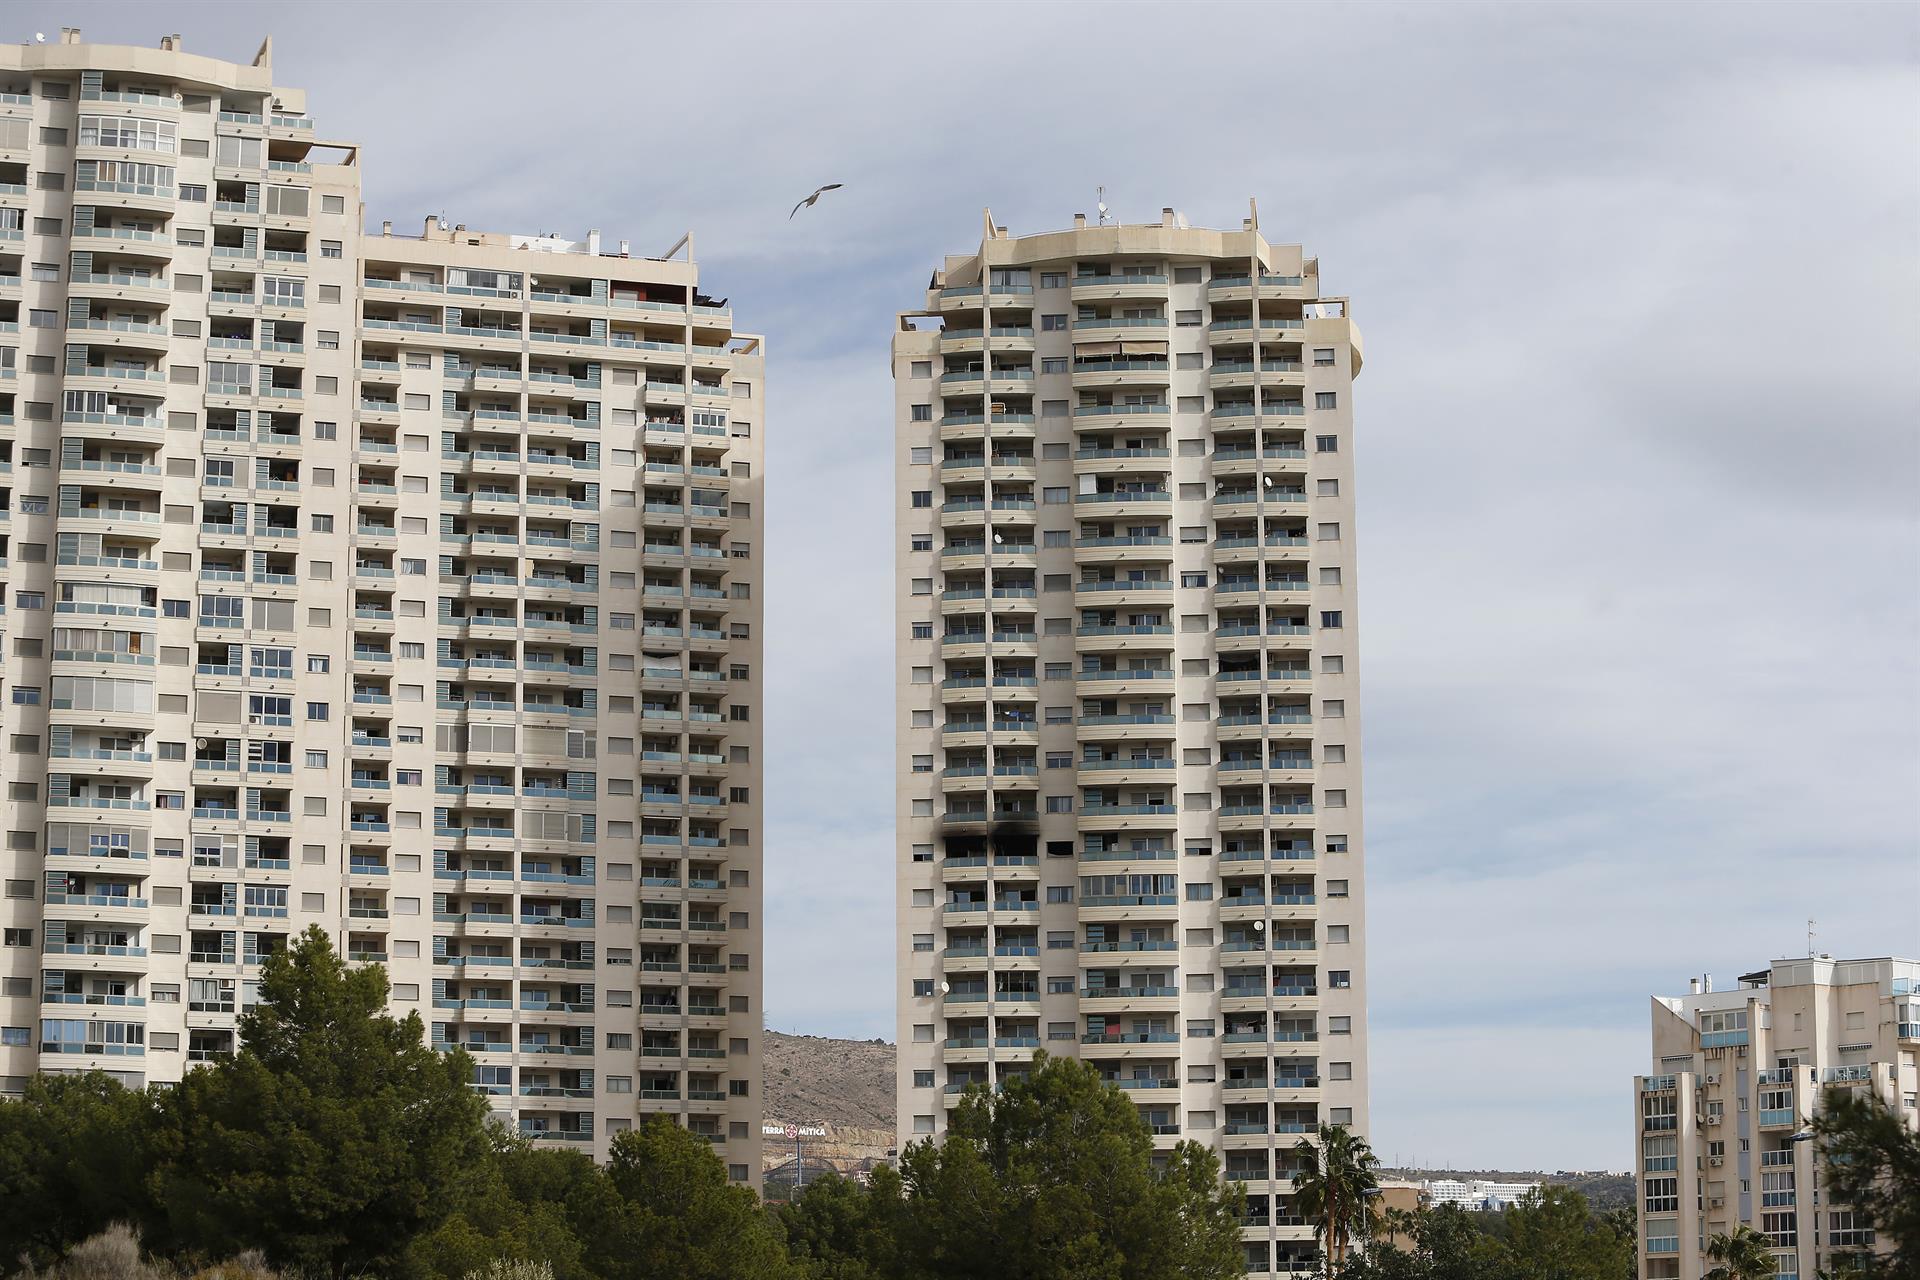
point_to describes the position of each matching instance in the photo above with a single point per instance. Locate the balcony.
(1127, 285)
(1119, 328)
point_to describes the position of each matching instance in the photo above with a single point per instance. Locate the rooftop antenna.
(1104, 218)
(1810, 924)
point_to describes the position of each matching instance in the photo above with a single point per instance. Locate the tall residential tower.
(1720, 1128)
(1129, 724)
(401, 585)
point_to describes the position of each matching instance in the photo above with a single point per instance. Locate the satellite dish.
(39, 37)
(944, 988)
(199, 744)
(997, 539)
(1259, 926)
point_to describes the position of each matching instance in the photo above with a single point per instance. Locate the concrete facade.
(1720, 1123)
(1128, 718)
(404, 585)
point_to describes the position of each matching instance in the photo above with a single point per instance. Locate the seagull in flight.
(809, 201)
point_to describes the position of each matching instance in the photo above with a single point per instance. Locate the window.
(921, 542)
(1326, 399)
(1330, 618)
(316, 711)
(330, 249)
(130, 133)
(26, 695)
(1323, 355)
(1326, 444)
(920, 455)
(922, 413)
(1050, 324)
(1327, 532)
(1336, 799)
(923, 497)
(283, 291)
(1053, 279)
(287, 202)
(46, 271)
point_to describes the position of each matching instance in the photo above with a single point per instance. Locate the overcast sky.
(1635, 441)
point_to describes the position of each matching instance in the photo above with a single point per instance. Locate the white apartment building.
(1476, 1193)
(1721, 1123)
(1129, 726)
(402, 585)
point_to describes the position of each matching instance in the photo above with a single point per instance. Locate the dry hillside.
(817, 1080)
(845, 1086)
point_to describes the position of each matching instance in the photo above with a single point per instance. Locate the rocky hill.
(819, 1080)
(844, 1087)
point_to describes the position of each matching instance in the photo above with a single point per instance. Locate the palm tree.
(1333, 1188)
(1744, 1255)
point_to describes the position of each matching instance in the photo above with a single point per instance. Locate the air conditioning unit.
(1713, 1119)
(1716, 1202)
(1713, 1077)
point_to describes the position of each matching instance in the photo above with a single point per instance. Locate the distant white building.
(1477, 1193)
